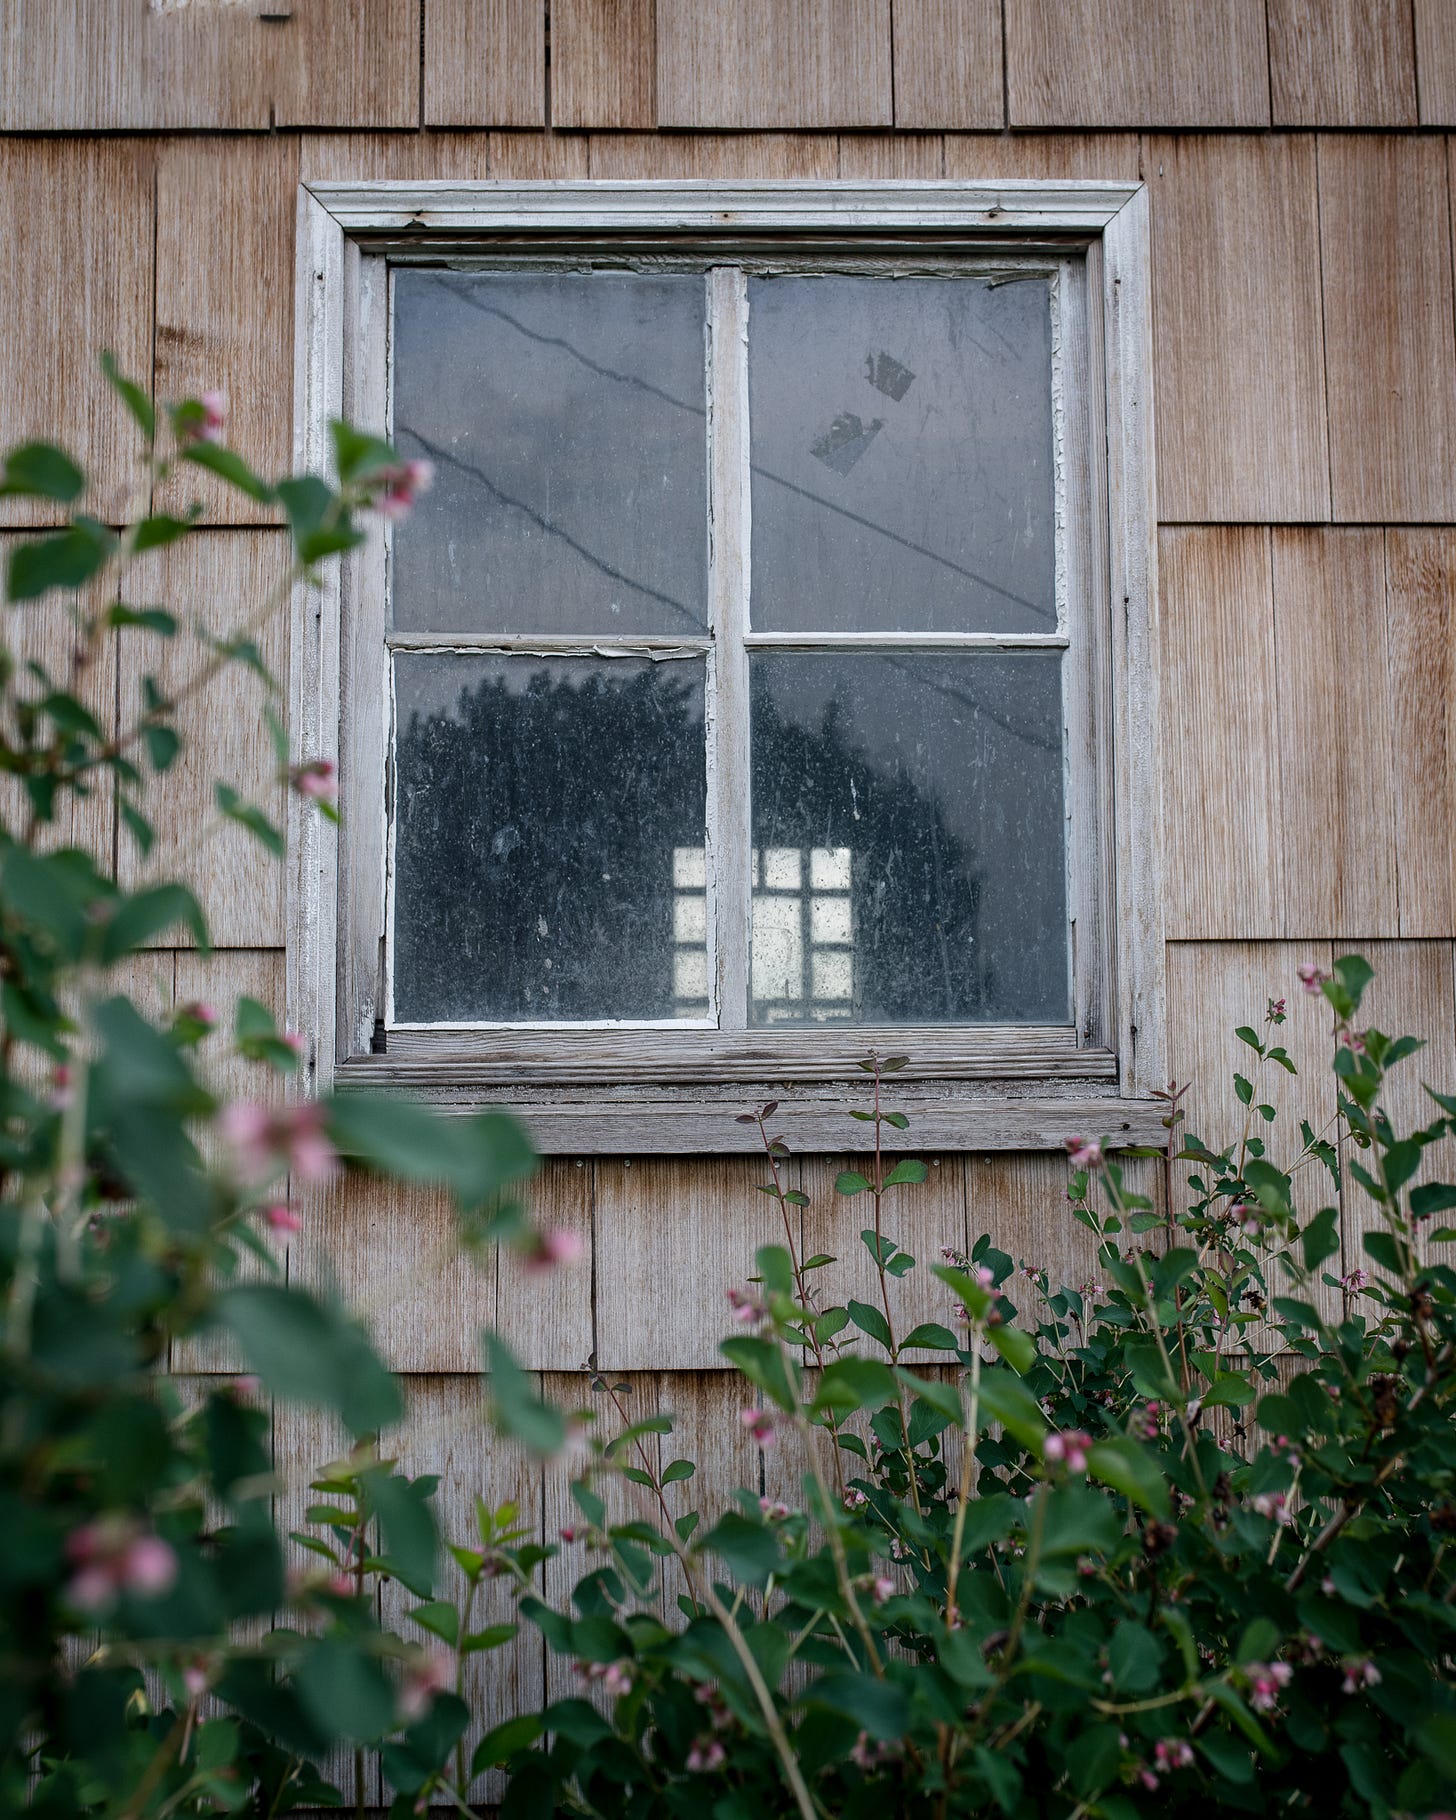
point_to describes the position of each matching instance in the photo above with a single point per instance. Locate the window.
(748, 690)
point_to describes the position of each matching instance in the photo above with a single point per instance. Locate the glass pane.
(564, 413)
(909, 838)
(549, 839)
(902, 455)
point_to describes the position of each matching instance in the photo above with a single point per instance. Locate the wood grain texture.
(64, 202)
(227, 215)
(1420, 584)
(1108, 156)
(393, 157)
(1075, 63)
(1336, 771)
(485, 63)
(1020, 1203)
(394, 1251)
(1385, 229)
(690, 1230)
(1342, 63)
(106, 65)
(899, 156)
(221, 579)
(1239, 352)
(920, 1218)
(948, 56)
(774, 63)
(1435, 22)
(727, 156)
(604, 63)
(1213, 987)
(1224, 853)
(534, 157)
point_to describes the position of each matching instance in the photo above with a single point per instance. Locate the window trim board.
(332, 983)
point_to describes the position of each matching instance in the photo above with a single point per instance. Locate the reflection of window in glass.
(803, 937)
(689, 932)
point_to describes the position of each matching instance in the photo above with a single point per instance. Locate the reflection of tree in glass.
(536, 828)
(915, 891)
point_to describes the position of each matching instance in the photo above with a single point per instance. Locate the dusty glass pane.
(564, 413)
(921, 800)
(549, 839)
(902, 454)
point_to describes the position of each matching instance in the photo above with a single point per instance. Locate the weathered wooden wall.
(1306, 430)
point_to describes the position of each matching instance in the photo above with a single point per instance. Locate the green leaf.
(750, 1549)
(1251, 1037)
(871, 1321)
(162, 743)
(1126, 1466)
(908, 1169)
(320, 526)
(145, 619)
(1244, 1088)
(1017, 1348)
(68, 559)
(1135, 1657)
(161, 529)
(137, 920)
(38, 470)
(357, 455)
(848, 1384)
(344, 1691)
(850, 1181)
(131, 395)
(1321, 1237)
(1432, 1197)
(517, 1409)
(502, 1742)
(933, 1335)
(440, 1618)
(230, 467)
(310, 1352)
(407, 1523)
(877, 1707)
(678, 1469)
(248, 815)
(1005, 1399)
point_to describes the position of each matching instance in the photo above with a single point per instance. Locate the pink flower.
(747, 1309)
(773, 1511)
(282, 1218)
(1148, 1422)
(1247, 1217)
(1266, 1679)
(295, 1136)
(317, 778)
(342, 1586)
(883, 1588)
(115, 1555)
(1067, 1449)
(1085, 1153)
(1360, 1672)
(63, 1092)
(296, 1041)
(1275, 1505)
(1276, 1011)
(1147, 1778)
(568, 1535)
(615, 1677)
(429, 1674)
(706, 1754)
(760, 1424)
(245, 1385)
(855, 1500)
(402, 485)
(214, 415)
(985, 1276)
(1311, 977)
(1354, 1282)
(200, 1012)
(1353, 1041)
(866, 1754)
(552, 1247)
(196, 1679)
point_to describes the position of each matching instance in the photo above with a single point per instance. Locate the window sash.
(726, 650)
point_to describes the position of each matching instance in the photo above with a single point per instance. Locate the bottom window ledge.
(680, 1121)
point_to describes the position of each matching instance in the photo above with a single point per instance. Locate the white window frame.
(638, 1087)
